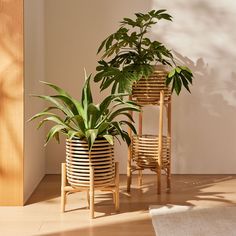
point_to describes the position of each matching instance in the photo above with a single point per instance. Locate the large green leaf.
(103, 127)
(91, 136)
(58, 89)
(86, 120)
(53, 131)
(94, 115)
(86, 93)
(72, 134)
(118, 112)
(130, 125)
(57, 104)
(109, 138)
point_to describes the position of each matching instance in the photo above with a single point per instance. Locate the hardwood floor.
(42, 216)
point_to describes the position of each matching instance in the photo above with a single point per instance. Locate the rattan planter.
(151, 152)
(145, 151)
(147, 90)
(88, 171)
(79, 160)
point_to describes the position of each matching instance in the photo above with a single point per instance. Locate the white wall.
(204, 129)
(74, 30)
(34, 152)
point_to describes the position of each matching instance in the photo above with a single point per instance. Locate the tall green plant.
(86, 120)
(129, 54)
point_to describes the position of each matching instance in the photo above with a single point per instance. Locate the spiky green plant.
(84, 119)
(130, 54)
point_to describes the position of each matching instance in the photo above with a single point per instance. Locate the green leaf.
(93, 115)
(109, 138)
(160, 11)
(165, 16)
(130, 125)
(103, 127)
(81, 123)
(59, 106)
(185, 82)
(102, 45)
(178, 85)
(40, 114)
(188, 76)
(58, 89)
(178, 69)
(185, 68)
(72, 134)
(69, 102)
(91, 136)
(168, 80)
(119, 112)
(171, 73)
(86, 93)
(52, 132)
(109, 41)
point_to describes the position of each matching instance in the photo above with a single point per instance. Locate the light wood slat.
(78, 173)
(111, 169)
(94, 154)
(11, 103)
(84, 143)
(77, 176)
(85, 160)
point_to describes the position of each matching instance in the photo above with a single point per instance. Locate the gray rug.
(174, 220)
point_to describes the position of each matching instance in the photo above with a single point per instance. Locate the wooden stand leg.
(129, 173)
(88, 199)
(91, 192)
(63, 184)
(117, 197)
(159, 164)
(114, 196)
(169, 136)
(168, 180)
(158, 180)
(140, 178)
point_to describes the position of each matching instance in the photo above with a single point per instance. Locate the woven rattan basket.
(145, 150)
(79, 160)
(147, 90)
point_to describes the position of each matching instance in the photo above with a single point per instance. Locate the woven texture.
(193, 221)
(147, 90)
(145, 151)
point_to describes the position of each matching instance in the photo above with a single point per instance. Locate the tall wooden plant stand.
(89, 171)
(151, 152)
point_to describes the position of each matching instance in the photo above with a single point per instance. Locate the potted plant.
(132, 62)
(90, 130)
(129, 56)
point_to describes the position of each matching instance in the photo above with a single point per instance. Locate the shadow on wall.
(204, 128)
(11, 87)
(204, 131)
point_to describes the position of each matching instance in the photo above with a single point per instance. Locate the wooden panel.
(11, 102)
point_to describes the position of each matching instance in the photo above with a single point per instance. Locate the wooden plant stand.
(151, 152)
(89, 171)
